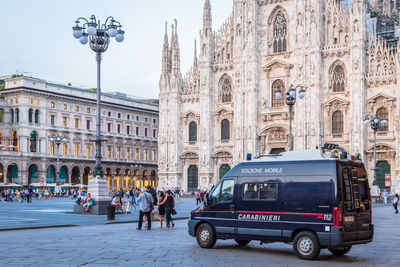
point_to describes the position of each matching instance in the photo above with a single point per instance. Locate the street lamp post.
(58, 140)
(290, 100)
(375, 125)
(98, 36)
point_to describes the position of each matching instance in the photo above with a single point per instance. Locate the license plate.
(348, 219)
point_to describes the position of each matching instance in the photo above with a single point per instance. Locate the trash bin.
(111, 213)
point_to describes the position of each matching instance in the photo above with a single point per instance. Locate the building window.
(154, 121)
(119, 115)
(128, 153)
(108, 152)
(192, 131)
(16, 115)
(17, 101)
(87, 124)
(32, 141)
(225, 130)
(128, 130)
(1, 114)
(280, 33)
(109, 127)
(137, 118)
(109, 114)
(87, 150)
(154, 133)
(119, 128)
(225, 95)
(52, 120)
(76, 123)
(65, 122)
(51, 147)
(76, 149)
(382, 113)
(52, 105)
(118, 152)
(145, 154)
(77, 108)
(88, 110)
(338, 79)
(145, 132)
(30, 115)
(37, 102)
(137, 153)
(154, 155)
(37, 116)
(30, 101)
(64, 150)
(145, 119)
(137, 131)
(337, 122)
(128, 116)
(65, 107)
(277, 85)
(12, 116)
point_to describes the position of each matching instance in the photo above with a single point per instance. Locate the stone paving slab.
(122, 245)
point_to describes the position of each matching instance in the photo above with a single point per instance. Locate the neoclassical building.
(344, 52)
(32, 111)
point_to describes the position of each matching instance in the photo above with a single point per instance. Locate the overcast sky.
(37, 39)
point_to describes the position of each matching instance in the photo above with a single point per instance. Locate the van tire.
(306, 245)
(242, 242)
(205, 236)
(340, 251)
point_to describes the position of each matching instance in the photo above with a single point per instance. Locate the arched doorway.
(382, 168)
(12, 173)
(87, 172)
(193, 178)
(107, 175)
(51, 174)
(63, 175)
(33, 142)
(223, 170)
(75, 175)
(153, 179)
(145, 178)
(33, 176)
(1, 173)
(127, 178)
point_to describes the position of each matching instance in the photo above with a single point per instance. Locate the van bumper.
(339, 238)
(191, 226)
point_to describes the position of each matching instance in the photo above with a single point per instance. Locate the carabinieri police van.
(311, 199)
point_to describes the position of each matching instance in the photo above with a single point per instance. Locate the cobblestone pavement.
(121, 244)
(58, 211)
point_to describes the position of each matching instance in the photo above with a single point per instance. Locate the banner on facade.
(387, 183)
(387, 176)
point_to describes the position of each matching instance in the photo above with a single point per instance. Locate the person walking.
(145, 208)
(396, 203)
(169, 204)
(385, 196)
(198, 197)
(161, 208)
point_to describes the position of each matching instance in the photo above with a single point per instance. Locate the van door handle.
(232, 207)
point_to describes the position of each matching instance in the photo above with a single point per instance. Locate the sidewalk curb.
(135, 221)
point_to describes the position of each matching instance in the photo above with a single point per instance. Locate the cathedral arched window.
(280, 33)
(277, 85)
(337, 122)
(192, 131)
(382, 113)
(225, 130)
(225, 95)
(338, 79)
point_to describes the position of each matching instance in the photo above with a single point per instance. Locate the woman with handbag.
(169, 204)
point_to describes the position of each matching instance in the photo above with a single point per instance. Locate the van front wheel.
(242, 242)
(205, 236)
(340, 251)
(306, 245)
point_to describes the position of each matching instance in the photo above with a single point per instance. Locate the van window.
(262, 191)
(223, 192)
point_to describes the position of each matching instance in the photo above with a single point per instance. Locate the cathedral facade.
(343, 52)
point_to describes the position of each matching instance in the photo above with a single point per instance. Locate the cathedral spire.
(207, 19)
(165, 53)
(195, 55)
(387, 7)
(175, 51)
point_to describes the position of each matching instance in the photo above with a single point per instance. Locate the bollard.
(111, 213)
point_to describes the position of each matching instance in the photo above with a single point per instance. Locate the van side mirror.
(205, 200)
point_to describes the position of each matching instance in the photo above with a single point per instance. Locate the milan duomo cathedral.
(346, 55)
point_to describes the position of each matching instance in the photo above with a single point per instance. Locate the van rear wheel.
(205, 236)
(242, 242)
(306, 245)
(340, 251)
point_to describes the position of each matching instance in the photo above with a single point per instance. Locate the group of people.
(19, 195)
(200, 196)
(385, 198)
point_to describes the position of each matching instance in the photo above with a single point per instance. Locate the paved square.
(121, 244)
